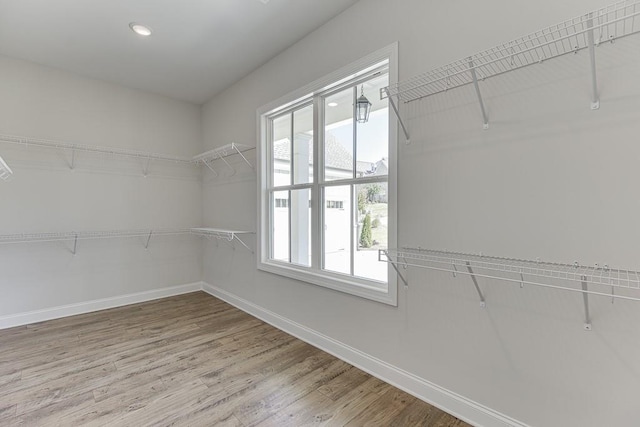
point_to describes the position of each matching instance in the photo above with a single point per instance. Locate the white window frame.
(348, 284)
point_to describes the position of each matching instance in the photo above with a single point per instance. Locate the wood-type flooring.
(190, 360)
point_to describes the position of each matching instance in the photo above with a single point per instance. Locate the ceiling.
(197, 48)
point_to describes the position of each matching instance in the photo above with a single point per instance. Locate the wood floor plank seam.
(190, 360)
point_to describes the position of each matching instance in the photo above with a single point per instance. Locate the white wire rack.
(221, 153)
(223, 234)
(584, 32)
(74, 236)
(5, 170)
(73, 148)
(570, 277)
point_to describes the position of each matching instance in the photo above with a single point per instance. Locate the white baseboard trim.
(29, 317)
(459, 406)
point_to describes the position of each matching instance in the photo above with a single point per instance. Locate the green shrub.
(365, 235)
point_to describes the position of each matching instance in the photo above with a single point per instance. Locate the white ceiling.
(197, 49)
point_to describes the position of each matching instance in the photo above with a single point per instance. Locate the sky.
(373, 136)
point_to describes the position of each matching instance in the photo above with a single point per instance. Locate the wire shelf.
(5, 170)
(45, 143)
(538, 273)
(224, 234)
(86, 235)
(606, 25)
(224, 151)
(220, 153)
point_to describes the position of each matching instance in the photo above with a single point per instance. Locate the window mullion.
(291, 153)
(305, 186)
(357, 181)
(317, 237)
(354, 230)
(271, 200)
(290, 228)
(353, 221)
(355, 132)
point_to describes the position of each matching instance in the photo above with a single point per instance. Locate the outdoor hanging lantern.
(363, 107)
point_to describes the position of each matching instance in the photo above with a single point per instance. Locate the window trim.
(347, 284)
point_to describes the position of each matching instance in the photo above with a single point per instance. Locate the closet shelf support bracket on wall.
(223, 234)
(474, 76)
(221, 153)
(5, 170)
(585, 299)
(567, 277)
(587, 31)
(384, 93)
(595, 100)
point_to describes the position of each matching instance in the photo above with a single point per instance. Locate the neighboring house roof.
(364, 167)
(382, 167)
(336, 157)
(282, 150)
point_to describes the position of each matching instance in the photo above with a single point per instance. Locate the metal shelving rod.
(595, 100)
(43, 143)
(397, 113)
(569, 277)
(585, 299)
(587, 31)
(224, 234)
(475, 283)
(5, 170)
(474, 76)
(73, 236)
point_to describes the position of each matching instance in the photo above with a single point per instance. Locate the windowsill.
(356, 287)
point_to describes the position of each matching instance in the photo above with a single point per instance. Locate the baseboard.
(459, 406)
(94, 305)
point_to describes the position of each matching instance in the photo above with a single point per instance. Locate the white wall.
(550, 179)
(102, 192)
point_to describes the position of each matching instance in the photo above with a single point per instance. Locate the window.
(282, 203)
(327, 182)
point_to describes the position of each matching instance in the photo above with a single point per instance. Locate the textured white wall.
(102, 192)
(550, 179)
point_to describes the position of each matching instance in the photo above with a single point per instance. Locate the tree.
(362, 200)
(372, 191)
(365, 234)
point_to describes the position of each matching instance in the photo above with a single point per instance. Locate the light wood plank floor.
(187, 360)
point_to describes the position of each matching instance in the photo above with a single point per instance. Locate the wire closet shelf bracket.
(5, 170)
(223, 234)
(221, 153)
(588, 31)
(604, 281)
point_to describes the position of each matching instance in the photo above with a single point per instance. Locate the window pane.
(338, 137)
(337, 229)
(280, 222)
(373, 136)
(372, 231)
(282, 150)
(301, 227)
(303, 145)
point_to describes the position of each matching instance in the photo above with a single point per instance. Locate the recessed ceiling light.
(140, 29)
(332, 104)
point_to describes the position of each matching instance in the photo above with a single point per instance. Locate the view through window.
(328, 182)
